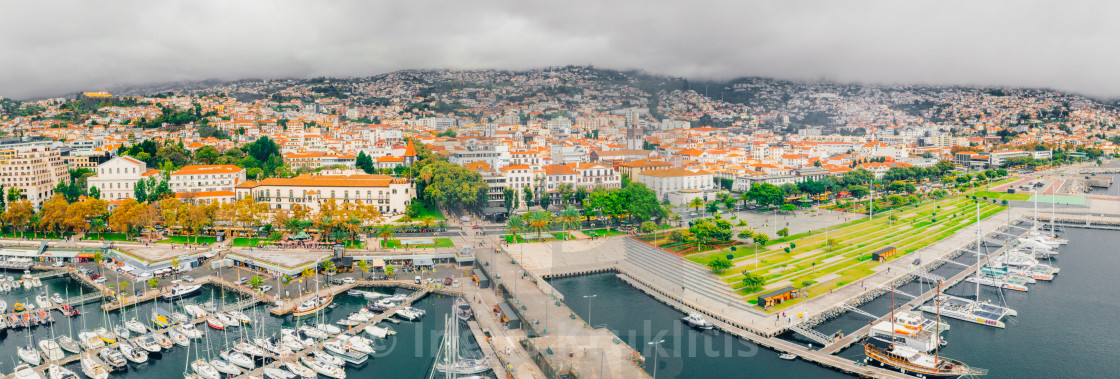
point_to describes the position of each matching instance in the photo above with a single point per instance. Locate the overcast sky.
(56, 47)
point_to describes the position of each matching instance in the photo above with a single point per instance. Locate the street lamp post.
(655, 344)
(589, 297)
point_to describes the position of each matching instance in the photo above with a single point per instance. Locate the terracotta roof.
(207, 169)
(559, 169)
(644, 163)
(326, 181)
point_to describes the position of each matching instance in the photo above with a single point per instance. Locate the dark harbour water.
(408, 354)
(1066, 328)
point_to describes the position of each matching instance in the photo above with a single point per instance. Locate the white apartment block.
(390, 195)
(33, 167)
(116, 178)
(207, 178)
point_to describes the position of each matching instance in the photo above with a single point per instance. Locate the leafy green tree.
(766, 194)
(783, 232)
(539, 220)
(753, 282)
(648, 227)
(509, 198)
(718, 264)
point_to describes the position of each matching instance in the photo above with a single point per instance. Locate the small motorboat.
(149, 344)
(36, 282)
(69, 310)
(164, 341)
(91, 341)
(191, 331)
(43, 301)
(58, 372)
(132, 353)
(93, 367)
(376, 331)
(136, 326)
(407, 314)
(18, 307)
(787, 356)
(180, 318)
(227, 320)
(161, 317)
(208, 306)
(213, 323)
(697, 321)
(3, 306)
(113, 358)
(195, 311)
(347, 322)
(57, 299)
(69, 344)
(178, 337)
(356, 343)
(343, 350)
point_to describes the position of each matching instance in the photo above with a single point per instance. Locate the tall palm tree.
(256, 281)
(363, 266)
(307, 273)
(390, 270)
(98, 257)
(327, 266)
(175, 264)
(385, 232)
(514, 225)
(569, 217)
(696, 203)
(539, 220)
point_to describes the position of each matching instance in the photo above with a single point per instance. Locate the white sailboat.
(449, 359)
(970, 310)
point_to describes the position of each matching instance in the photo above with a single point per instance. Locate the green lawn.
(187, 239)
(1003, 196)
(106, 236)
(915, 227)
(247, 242)
(440, 242)
(558, 236)
(603, 232)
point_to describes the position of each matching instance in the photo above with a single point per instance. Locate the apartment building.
(32, 166)
(677, 185)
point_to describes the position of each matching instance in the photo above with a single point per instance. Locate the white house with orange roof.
(390, 195)
(678, 186)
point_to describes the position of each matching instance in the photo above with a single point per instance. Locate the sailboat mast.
(892, 315)
(937, 335)
(978, 251)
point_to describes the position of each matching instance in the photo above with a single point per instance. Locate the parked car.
(266, 288)
(418, 279)
(242, 280)
(100, 280)
(348, 280)
(58, 264)
(95, 276)
(188, 278)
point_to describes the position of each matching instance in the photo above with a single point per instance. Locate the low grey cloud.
(57, 47)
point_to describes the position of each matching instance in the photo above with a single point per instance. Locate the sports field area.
(814, 265)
